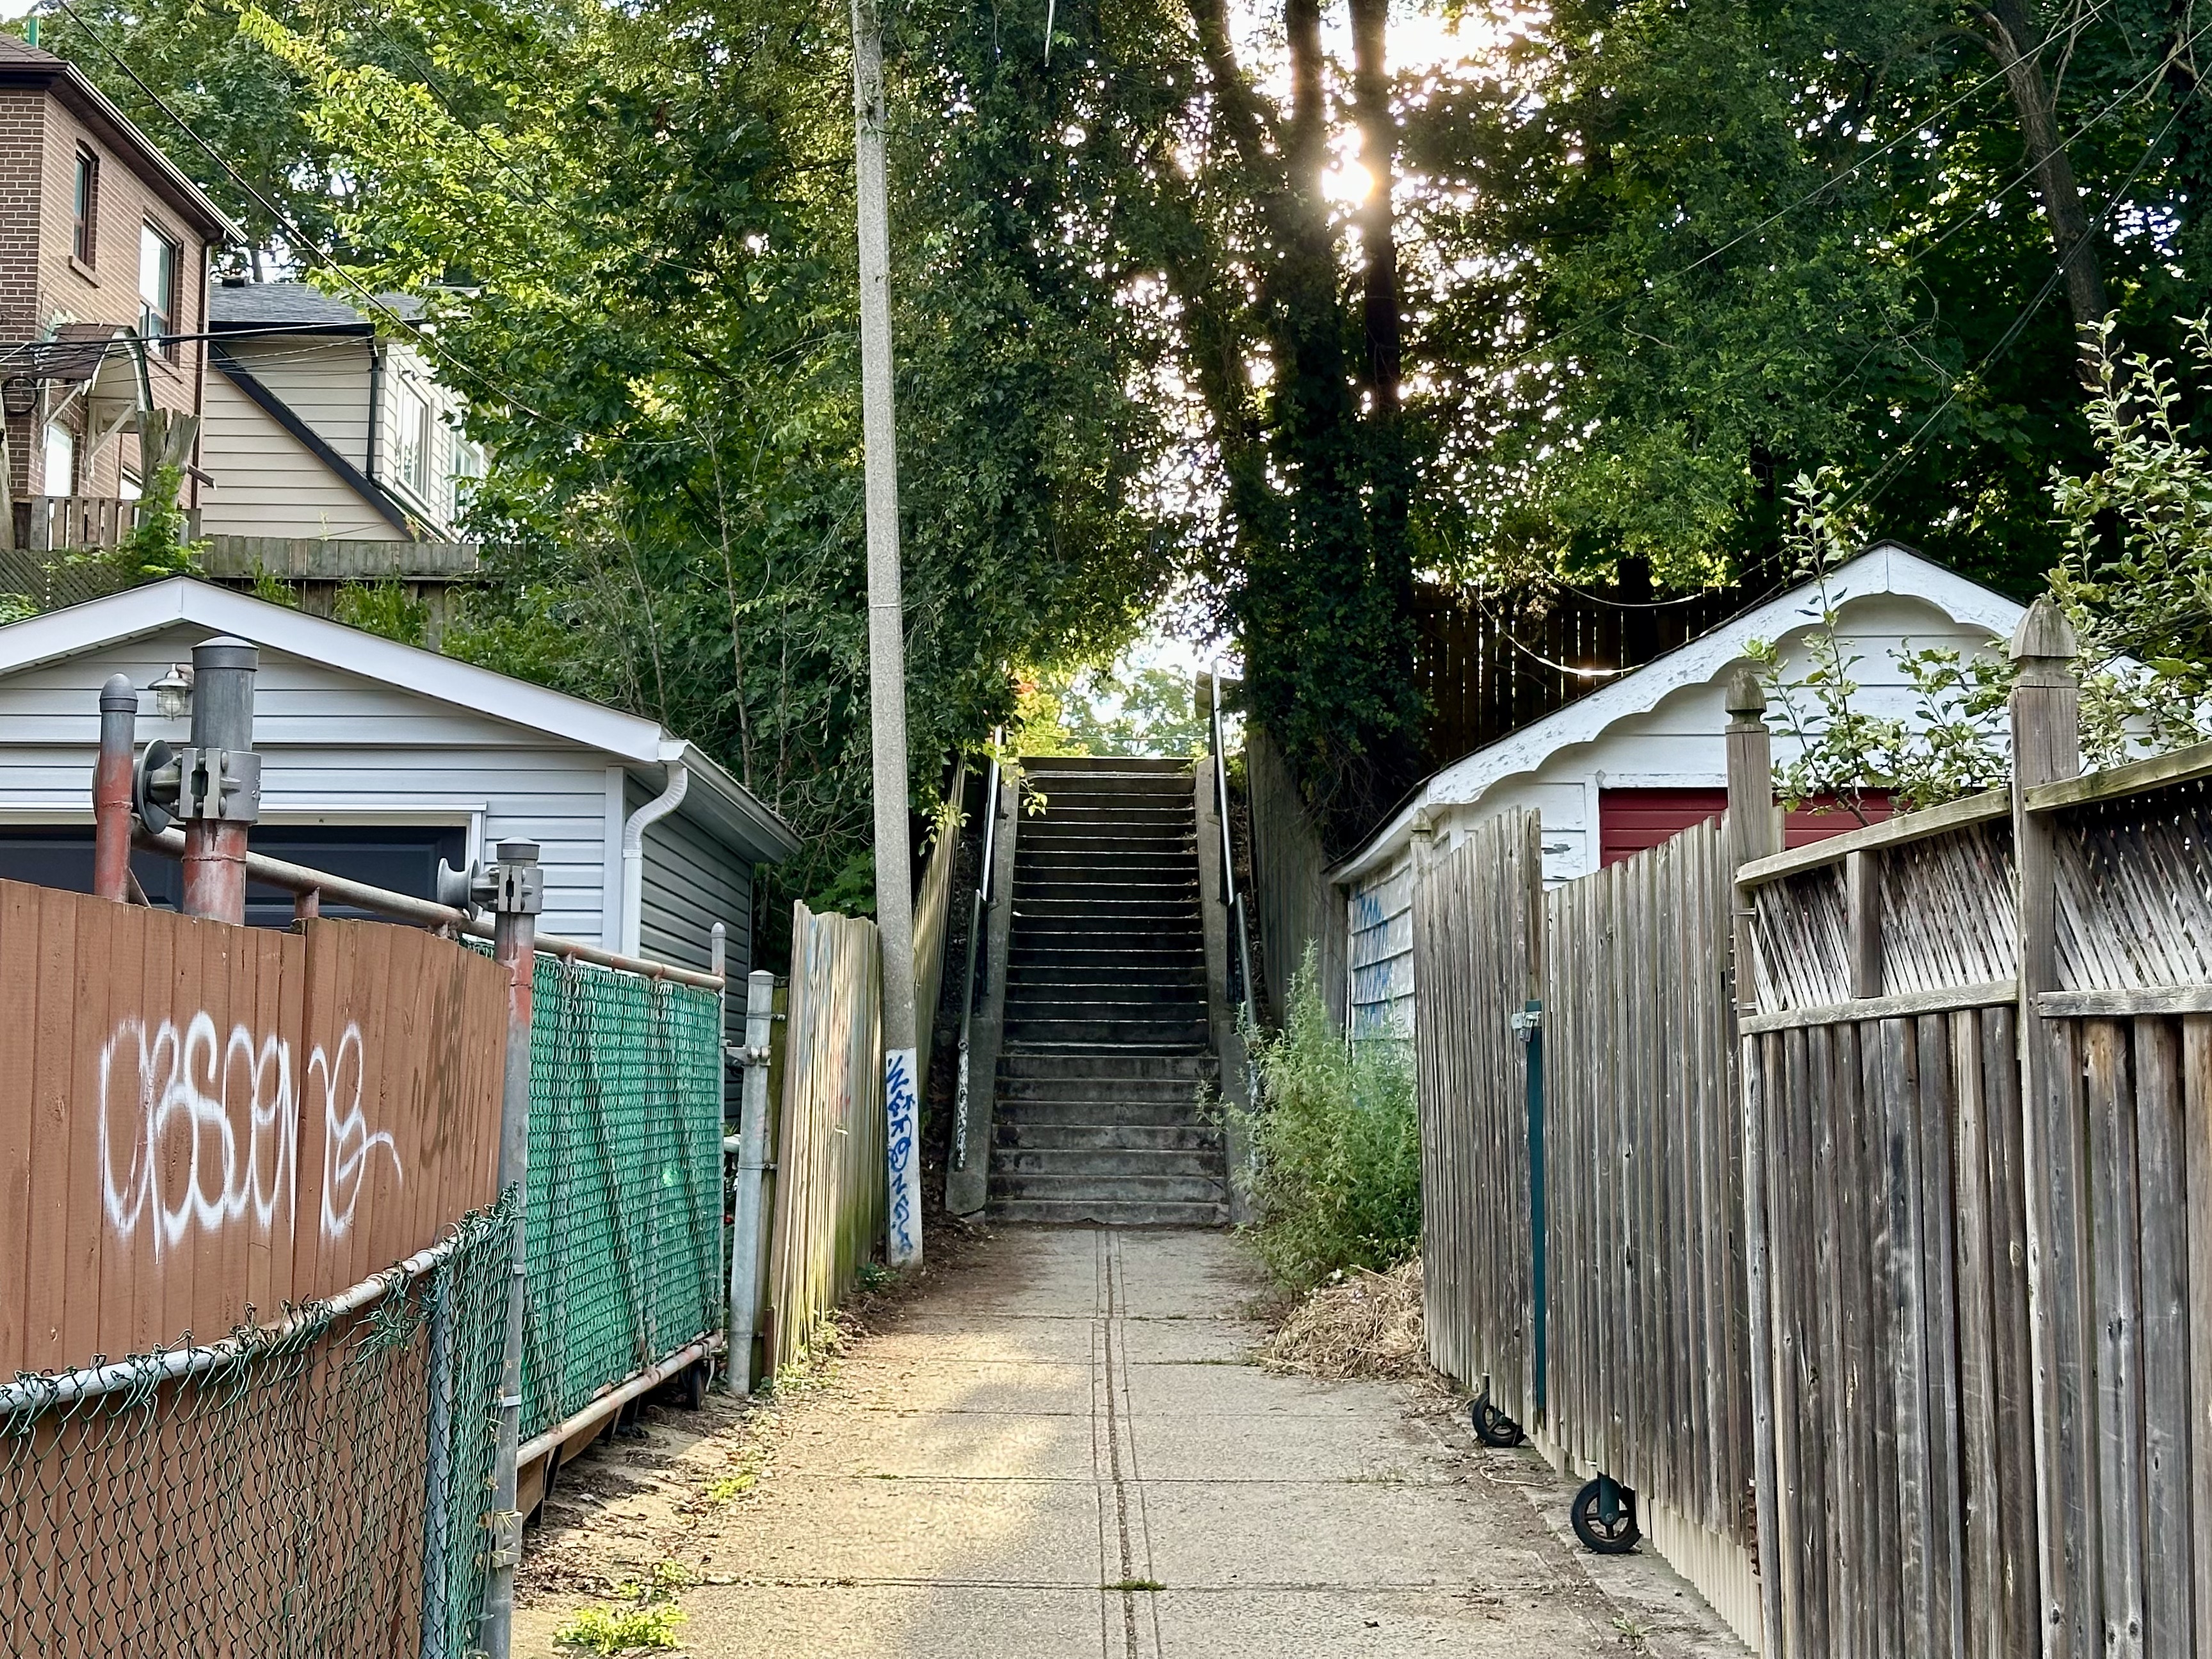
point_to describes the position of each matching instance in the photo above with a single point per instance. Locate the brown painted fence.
(199, 1122)
(830, 1189)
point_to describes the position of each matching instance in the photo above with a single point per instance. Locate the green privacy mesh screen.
(316, 1491)
(625, 1213)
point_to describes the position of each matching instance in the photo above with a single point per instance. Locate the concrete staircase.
(1107, 1055)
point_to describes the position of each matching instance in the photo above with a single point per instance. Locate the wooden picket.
(830, 1189)
(1477, 945)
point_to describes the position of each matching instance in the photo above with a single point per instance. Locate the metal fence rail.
(625, 1213)
(316, 1487)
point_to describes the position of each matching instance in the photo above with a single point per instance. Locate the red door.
(1629, 820)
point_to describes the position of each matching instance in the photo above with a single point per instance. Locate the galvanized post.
(752, 1162)
(718, 964)
(110, 789)
(516, 889)
(219, 779)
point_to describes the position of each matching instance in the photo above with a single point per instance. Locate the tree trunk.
(1378, 243)
(2009, 35)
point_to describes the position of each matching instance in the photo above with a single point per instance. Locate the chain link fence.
(625, 1219)
(315, 1487)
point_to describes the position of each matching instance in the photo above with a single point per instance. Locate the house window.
(157, 286)
(411, 424)
(61, 459)
(84, 208)
(468, 460)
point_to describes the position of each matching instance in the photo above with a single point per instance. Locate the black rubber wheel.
(1492, 1426)
(694, 1386)
(1600, 1536)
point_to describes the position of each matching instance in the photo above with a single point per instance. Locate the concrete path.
(1064, 1451)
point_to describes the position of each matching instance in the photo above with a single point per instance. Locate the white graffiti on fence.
(201, 1130)
(904, 1111)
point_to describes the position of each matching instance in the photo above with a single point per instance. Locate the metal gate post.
(110, 789)
(219, 779)
(516, 889)
(753, 1162)
(1532, 1036)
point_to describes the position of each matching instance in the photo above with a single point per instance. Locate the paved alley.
(1064, 1451)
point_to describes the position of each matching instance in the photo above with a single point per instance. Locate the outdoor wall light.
(172, 692)
(19, 394)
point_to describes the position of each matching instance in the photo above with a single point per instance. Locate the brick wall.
(43, 283)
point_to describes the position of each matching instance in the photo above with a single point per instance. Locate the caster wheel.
(1601, 1535)
(1492, 1426)
(695, 1386)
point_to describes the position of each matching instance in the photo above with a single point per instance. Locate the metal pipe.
(978, 913)
(633, 853)
(299, 878)
(717, 958)
(34, 1393)
(111, 790)
(599, 1409)
(518, 891)
(753, 1160)
(224, 672)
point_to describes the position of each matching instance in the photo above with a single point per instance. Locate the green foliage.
(1950, 745)
(1338, 1146)
(16, 607)
(2136, 578)
(383, 607)
(1131, 710)
(647, 1624)
(1683, 251)
(273, 589)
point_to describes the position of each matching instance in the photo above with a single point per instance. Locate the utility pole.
(886, 647)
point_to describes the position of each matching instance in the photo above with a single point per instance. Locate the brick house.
(104, 254)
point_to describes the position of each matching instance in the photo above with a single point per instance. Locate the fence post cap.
(118, 696)
(226, 651)
(518, 851)
(1744, 697)
(2044, 632)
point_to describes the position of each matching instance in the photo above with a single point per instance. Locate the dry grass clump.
(1358, 1324)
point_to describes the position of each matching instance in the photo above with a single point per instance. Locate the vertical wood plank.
(2011, 1346)
(2197, 1123)
(2114, 1229)
(2170, 1540)
(1938, 1280)
(1981, 1622)
(19, 1003)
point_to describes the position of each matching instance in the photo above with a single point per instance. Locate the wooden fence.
(1911, 1303)
(830, 1189)
(1297, 908)
(1478, 939)
(1650, 1373)
(198, 1119)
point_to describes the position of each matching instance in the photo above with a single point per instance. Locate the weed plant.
(1337, 1146)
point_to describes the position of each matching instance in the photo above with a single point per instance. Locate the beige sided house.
(104, 251)
(323, 426)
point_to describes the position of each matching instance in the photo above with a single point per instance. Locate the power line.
(324, 258)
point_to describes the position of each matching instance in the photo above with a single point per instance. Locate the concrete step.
(1082, 908)
(1104, 1213)
(1147, 840)
(1027, 1134)
(1033, 997)
(1132, 766)
(1031, 890)
(1081, 955)
(1183, 1069)
(1095, 791)
(1022, 1118)
(1071, 969)
(1113, 1188)
(1145, 861)
(1098, 1167)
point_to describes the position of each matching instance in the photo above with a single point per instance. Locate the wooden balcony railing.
(76, 521)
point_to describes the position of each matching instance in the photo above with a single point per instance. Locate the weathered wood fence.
(830, 1191)
(1885, 1263)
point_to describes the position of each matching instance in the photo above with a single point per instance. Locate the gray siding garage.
(379, 758)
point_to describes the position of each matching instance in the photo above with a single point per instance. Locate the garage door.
(402, 857)
(1629, 820)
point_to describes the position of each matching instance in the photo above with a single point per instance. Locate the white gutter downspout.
(633, 854)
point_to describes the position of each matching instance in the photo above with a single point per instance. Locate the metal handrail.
(1231, 896)
(979, 908)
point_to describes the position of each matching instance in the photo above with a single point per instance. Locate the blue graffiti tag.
(901, 1109)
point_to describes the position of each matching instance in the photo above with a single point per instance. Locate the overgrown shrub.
(1337, 1147)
